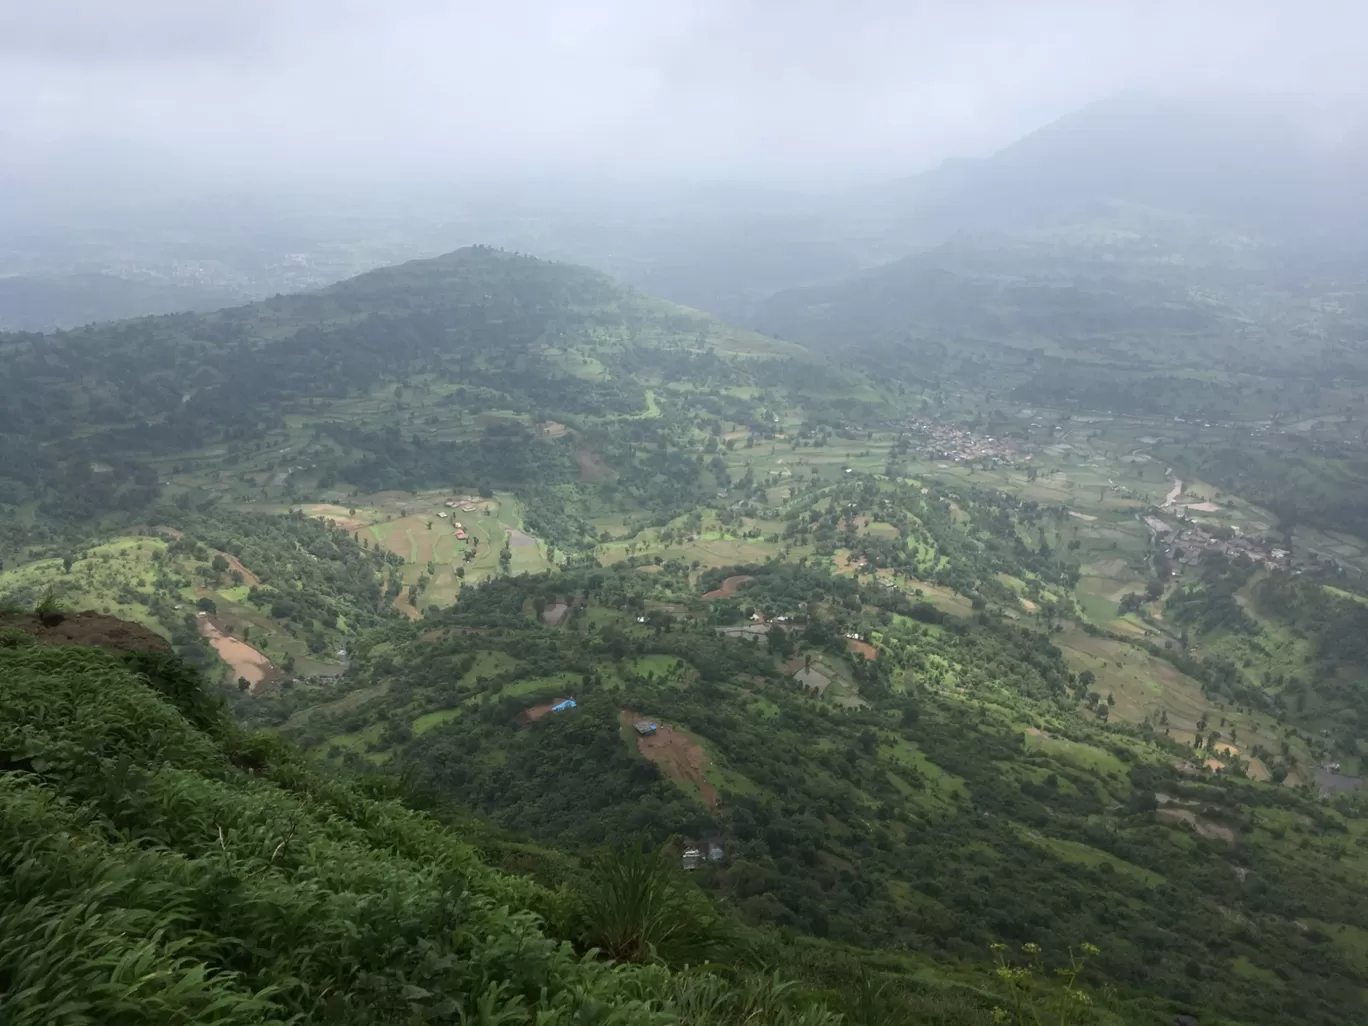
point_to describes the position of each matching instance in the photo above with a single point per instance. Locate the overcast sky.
(807, 91)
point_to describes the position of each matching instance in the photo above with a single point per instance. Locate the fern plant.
(639, 909)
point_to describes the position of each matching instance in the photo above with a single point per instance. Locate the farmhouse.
(460, 535)
(694, 855)
(645, 728)
(1156, 525)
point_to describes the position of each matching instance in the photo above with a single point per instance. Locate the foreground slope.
(162, 866)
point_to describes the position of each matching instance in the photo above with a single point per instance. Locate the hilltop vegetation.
(473, 333)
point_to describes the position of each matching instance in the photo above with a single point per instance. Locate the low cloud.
(802, 91)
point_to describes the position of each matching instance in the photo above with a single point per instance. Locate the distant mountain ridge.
(1262, 164)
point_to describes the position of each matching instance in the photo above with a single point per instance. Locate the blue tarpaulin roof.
(569, 703)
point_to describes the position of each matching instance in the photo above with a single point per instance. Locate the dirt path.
(678, 756)
(729, 587)
(234, 563)
(1173, 495)
(244, 660)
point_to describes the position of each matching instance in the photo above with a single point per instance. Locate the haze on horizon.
(98, 98)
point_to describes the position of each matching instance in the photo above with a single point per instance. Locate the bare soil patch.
(94, 629)
(401, 603)
(348, 524)
(337, 515)
(535, 712)
(678, 756)
(729, 587)
(554, 614)
(591, 466)
(863, 648)
(519, 539)
(242, 658)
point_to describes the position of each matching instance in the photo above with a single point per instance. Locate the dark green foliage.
(926, 820)
(639, 909)
(478, 322)
(1210, 605)
(565, 778)
(154, 873)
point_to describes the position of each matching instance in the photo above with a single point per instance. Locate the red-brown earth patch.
(678, 756)
(244, 660)
(535, 712)
(863, 648)
(729, 587)
(95, 629)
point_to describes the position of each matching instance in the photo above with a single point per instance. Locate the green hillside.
(163, 866)
(882, 765)
(948, 660)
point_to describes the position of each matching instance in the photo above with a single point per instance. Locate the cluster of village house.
(466, 506)
(1185, 542)
(959, 445)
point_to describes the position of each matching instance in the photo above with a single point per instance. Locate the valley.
(934, 665)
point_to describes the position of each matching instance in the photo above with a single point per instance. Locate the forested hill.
(1099, 309)
(162, 377)
(83, 412)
